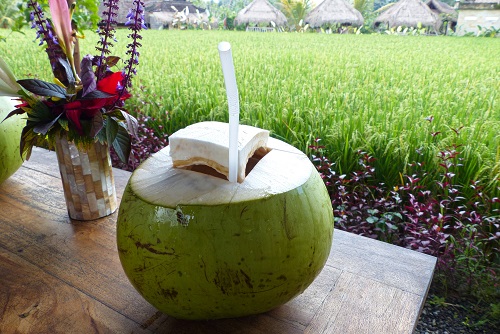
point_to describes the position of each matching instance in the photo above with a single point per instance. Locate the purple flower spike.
(45, 33)
(107, 34)
(135, 24)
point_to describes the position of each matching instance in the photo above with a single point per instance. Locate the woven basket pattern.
(87, 177)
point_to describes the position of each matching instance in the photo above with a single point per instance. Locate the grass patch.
(374, 93)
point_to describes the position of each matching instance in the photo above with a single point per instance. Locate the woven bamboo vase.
(87, 177)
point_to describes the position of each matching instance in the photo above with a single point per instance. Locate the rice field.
(400, 98)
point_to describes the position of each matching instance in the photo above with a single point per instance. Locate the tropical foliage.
(365, 7)
(295, 11)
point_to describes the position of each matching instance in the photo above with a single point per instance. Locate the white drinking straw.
(226, 59)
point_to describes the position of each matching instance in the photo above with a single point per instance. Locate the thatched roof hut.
(159, 13)
(409, 13)
(258, 12)
(439, 7)
(163, 13)
(334, 12)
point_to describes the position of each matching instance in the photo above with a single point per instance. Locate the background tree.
(295, 11)
(224, 10)
(87, 14)
(8, 9)
(15, 14)
(365, 7)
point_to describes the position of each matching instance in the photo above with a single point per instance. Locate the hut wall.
(474, 14)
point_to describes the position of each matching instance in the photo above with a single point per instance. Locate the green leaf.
(96, 94)
(63, 123)
(42, 88)
(391, 226)
(112, 61)
(18, 111)
(131, 124)
(28, 140)
(122, 144)
(97, 125)
(372, 220)
(45, 127)
(40, 112)
(101, 135)
(63, 72)
(111, 130)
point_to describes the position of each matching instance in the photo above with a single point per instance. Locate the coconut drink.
(197, 246)
(225, 221)
(10, 134)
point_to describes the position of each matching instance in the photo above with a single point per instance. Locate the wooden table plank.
(396, 266)
(346, 307)
(366, 287)
(33, 301)
(84, 254)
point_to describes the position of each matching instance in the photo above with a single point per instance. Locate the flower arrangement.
(85, 101)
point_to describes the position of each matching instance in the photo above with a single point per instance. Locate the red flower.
(85, 109)
(22, 104)
(112, 84)
(88, 108)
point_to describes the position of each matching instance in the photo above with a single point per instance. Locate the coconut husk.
(334, 12)
(260, 11)
(409, 13)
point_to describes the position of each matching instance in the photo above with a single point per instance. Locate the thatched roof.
(409, 13)
(260, 11)
(334, 11)
(439, 7)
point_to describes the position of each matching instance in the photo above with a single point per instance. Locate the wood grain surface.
(63, 276)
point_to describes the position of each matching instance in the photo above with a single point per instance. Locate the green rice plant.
(399, 98)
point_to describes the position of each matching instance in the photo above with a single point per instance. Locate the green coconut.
(10, 136)
(199, 247)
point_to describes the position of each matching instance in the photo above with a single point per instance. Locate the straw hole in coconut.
(251, 163)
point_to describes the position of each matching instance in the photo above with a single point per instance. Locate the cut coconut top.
(282, 169)
(207, 143)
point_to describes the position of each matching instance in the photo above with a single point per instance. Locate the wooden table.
(63, 276)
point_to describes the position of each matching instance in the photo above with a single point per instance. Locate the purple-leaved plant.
(463, 234)
(150, 139)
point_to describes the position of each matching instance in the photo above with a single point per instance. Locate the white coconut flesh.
(281, 169)
(207, 143)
